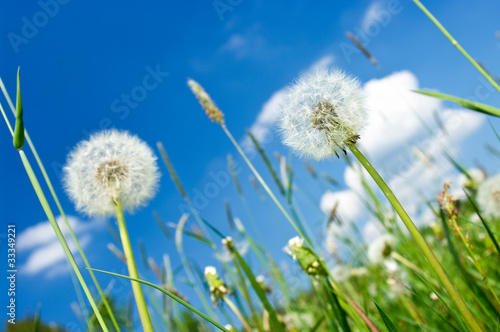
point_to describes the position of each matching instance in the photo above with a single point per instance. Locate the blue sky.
(80, 60)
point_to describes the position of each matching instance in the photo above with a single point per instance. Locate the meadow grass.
(441, 276)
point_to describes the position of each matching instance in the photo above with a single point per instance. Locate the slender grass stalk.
(424, 247)
(264, 184)
(132, 269)
(59, 206)
(237, 313)
(456, 44)
(60, 236)
(246, 295)
(353, 309)
(188, 268)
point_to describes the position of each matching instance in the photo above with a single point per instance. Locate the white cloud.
(51, 257)
(249, 43)
(45, 253)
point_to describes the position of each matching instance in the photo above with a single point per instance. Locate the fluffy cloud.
(45, 254)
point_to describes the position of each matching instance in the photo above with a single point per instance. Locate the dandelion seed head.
(322, 111)
(110, 165)
(488, 196)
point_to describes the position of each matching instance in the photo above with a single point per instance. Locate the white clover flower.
(210, 270)
(381, 248)
(112, 164)
(322, 111)
(296, 242)
(488, 196)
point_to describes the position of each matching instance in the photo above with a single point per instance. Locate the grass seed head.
(213, 112)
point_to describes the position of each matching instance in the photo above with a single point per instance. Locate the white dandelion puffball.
(111, 165)
(381, 248)
(322, 111)
(488, 196)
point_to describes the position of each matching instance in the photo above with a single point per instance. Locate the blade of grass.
(387, 321)
(478, 107)
(171, 295)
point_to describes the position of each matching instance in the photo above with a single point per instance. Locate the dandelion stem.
(132, 269)
(456, 44)
(424, 247)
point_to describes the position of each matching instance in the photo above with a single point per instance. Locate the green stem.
(456, 44)
(424, 247)
(132, 269)
(54, 196)
(287, 216)
(172, 296)
(266, 187)
(247, 296)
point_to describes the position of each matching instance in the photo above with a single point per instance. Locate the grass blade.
(171, 295)
(387, 321)
(478, 107)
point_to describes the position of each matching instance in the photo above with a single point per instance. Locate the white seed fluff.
(381, 248)
(322, 110)
(488, 196)
(109, 165)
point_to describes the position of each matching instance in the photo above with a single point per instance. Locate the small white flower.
(321, 112)
(381, 248)
(296, 242)
(260, 278)
(110, 165)
(210, 270)
(488, 196)
(433, 297)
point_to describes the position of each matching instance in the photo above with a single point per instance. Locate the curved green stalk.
(132, 269)
(174, 297)
(59, 206)
(456, 44)
(424, 247)
(60, 236)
